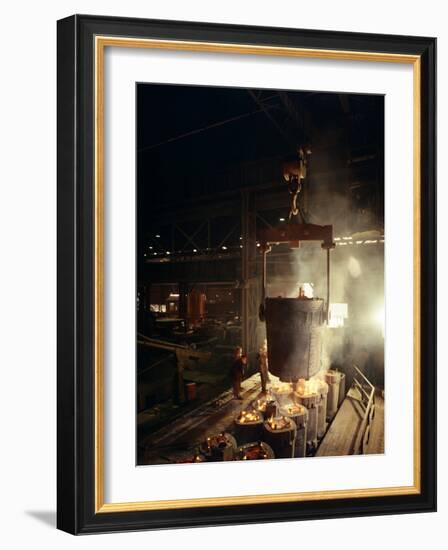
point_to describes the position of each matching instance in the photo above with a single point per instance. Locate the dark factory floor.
(171, 444)
(178, 440)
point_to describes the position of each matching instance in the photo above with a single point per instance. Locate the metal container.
(311, 401)
(191, 459)
(248, 426)
(322, 389)
(341, 389)
(299, 414)
(333, 379)
(294, 336)
(221, 447)
(280, 434)
(257, 450)
(282, 393)
(267, 406)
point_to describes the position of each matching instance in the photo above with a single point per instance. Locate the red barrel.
(190, 388)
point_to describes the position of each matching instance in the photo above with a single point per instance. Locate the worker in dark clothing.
(263, 365)
(237, 374)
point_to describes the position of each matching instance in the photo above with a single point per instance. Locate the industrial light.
(157, 236)
(308, 289)
(168, 252)
(224, 247)
(282, 219)
(354, 267)
(337, 313)
(194, 250)
(379, 318)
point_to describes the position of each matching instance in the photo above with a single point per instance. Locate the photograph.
(260, 274)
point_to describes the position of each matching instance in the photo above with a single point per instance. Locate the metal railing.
(367, 392)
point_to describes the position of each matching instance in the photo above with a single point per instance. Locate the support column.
(183, 302)
(249, 284)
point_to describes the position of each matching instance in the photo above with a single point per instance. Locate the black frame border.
(76, 262)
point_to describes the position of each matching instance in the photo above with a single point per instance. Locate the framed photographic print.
(246, 274)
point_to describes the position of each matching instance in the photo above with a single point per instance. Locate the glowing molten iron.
(309, 387)
(261, 403)
(283, 388)
(295, 409)
(219, 440)
(279, 423)
(246, 417)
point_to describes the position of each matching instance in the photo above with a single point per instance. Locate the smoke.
(354, 267)
(348, 196)
(356, 279)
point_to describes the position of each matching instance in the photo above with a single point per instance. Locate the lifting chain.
(295, 186)
(294, 180)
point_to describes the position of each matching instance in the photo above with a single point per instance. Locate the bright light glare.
(308, 289)
(354, 267)
(379, 318)
(337, 314)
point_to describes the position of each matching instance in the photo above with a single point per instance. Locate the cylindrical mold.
(341, 389)
(192, 458)
(311, 402)
(257, 450)
(294, 336)
(282, 393)
(221, 447)
(322, 389)
(298, 413)
(267, 406)
(248, 426)
(280, 435)
(332, 378)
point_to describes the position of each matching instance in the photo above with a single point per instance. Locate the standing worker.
(263, 365)
(237, 372)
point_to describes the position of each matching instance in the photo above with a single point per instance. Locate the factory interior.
(260, 274)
